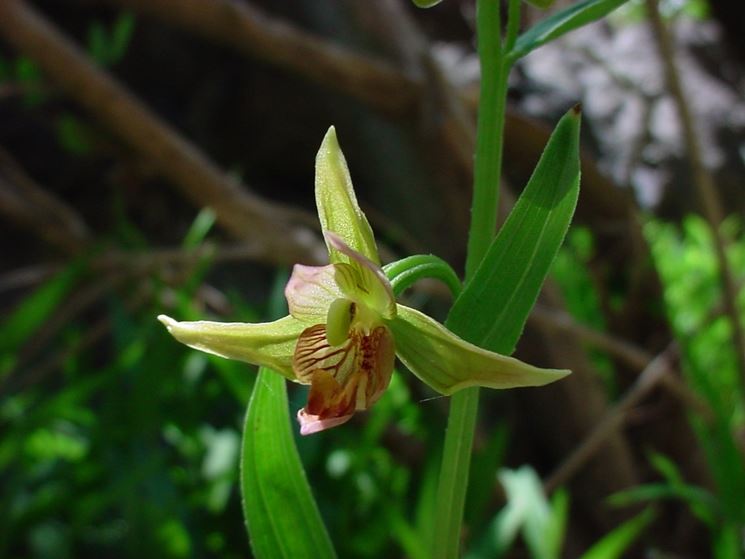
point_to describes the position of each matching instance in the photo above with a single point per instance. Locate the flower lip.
(310, 423)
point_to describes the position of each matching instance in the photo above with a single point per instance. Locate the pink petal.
(310, 291)
(310, 424)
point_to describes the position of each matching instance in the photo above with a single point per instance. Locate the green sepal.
(338, 209)
(269, 344)
(448, 364)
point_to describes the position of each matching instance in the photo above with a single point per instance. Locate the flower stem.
(495, 66)
(489, 129)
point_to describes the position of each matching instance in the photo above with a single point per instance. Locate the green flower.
(345, 328)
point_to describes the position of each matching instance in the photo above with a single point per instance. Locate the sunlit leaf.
(615, 543)
(30, 315)
(562, 22)
(281, 516)
(493, 307)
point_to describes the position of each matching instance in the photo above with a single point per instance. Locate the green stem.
(495, 66)
(404, 273)
(488, 165)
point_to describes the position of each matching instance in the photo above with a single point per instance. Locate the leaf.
(702, 503)
(98, 43)
(31, 314)
(493, 307)
(73, 134)
(562, 22)
(200, 228)
(281, 516)
(528, 512)
(616, 542)
(121, 35)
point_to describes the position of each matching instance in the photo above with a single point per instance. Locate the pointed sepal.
(448, 364)
(269, 344)
(338, 209)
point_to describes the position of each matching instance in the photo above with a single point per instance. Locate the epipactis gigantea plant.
(345, 328)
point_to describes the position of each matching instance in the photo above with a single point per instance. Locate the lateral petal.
(338, 209)
(310, 291)
(362, 280)
(271, 344)
(448, 363)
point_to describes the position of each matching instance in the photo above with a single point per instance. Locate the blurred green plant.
(542, 523)
(684, 256)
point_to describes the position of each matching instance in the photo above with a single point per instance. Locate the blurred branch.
(29, 205)
(284, 233)
(21, 377)
(422, 84)
(633, 355)
(702, 179)
(651, 377)
(252, 32)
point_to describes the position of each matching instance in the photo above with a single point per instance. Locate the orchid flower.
(345, 328)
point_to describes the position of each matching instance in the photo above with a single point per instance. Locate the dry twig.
(634, 356)
(246, 29)
(285, 233)
(29, 205)
(651, 377)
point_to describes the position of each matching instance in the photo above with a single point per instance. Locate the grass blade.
(615, 543)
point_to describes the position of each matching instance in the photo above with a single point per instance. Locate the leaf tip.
(577, 109)
(330, 136)
(167, 321)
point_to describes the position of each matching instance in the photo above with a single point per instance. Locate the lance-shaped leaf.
(447, 363)
(542, 4)
(562, 22)
(493, 307)
(338, 209)
(281, 516)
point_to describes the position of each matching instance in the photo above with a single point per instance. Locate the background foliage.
(116, 441)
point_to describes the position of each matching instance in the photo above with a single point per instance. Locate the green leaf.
(426, 3)
(73, 134)
(200, 228)
(562, 22)
(493, 307)
(281, 516)
(98, 43)
(121, 35)
(616, 542)
(528, 512)
(31, 314)
(542, 4)
(702, 503)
